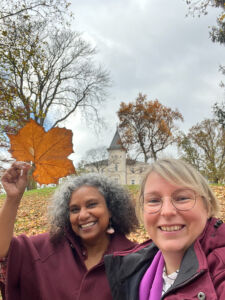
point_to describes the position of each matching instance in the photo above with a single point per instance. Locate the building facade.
(118, 167)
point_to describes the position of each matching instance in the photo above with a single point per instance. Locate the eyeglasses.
(183, 200)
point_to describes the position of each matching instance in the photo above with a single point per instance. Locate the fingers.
(22, 168)
(22, 165)
(16, 170)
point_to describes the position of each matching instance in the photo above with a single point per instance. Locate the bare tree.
(97, 158)
(204, 147)
(36, 8)
(219, 112)
(46, 74)
(217, 32)
(200, 7)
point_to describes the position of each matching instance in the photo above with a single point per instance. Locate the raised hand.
(14, 180)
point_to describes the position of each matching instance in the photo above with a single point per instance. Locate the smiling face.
(171, 230)
(89, 215)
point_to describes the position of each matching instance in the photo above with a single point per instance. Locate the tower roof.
(116, 143)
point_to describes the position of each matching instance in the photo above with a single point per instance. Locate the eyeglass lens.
(181, 199)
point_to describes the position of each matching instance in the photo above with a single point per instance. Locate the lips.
(171, 228)
(87, 225)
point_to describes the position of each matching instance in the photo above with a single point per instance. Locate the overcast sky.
(149, 46)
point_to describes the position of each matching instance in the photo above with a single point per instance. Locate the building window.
(132, 181)
(116, 167)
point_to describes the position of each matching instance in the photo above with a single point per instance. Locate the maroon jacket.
(37, 270)
(201, 275)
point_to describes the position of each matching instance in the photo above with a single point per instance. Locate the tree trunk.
(32, 184)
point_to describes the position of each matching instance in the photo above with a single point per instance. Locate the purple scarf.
(152, 282)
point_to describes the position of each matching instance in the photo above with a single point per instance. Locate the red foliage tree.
(147, 127)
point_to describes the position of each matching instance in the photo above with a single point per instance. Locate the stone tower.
(117, 160)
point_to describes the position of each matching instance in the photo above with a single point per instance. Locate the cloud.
(150, 47)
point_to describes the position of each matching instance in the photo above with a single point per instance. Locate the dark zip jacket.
(201, 275)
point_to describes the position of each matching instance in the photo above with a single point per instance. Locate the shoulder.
(131, 257)
(135, 248)
(212, 243)
(120, 242)
(37, 246)
(213, 236)
(36, 240)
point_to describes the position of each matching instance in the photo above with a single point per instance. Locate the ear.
(209, 210)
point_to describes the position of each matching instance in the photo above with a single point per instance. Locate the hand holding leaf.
(14, 180)
(47, 150)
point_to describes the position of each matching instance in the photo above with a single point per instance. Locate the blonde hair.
(181, 173)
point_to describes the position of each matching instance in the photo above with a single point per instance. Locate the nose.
(83, 214)
(167, 208)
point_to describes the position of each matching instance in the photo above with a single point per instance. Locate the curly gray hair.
(118, 201)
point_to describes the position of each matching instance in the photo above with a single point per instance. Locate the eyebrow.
(86, 202)
(178, 190)
(73, 205)
(152, 193)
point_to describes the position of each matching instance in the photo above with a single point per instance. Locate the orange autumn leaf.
(47, 150)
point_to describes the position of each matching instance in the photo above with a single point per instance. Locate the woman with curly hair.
(89, 217)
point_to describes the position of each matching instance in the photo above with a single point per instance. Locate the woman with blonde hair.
(185, 258)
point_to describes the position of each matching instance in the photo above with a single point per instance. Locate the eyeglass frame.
(171, 200)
